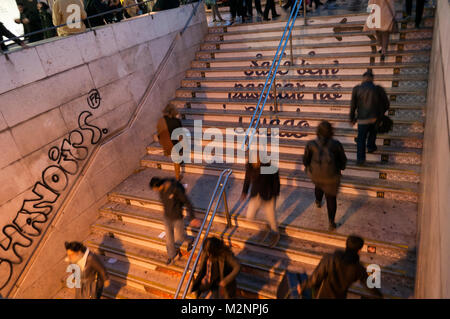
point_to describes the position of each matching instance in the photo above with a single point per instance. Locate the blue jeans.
(369, 133)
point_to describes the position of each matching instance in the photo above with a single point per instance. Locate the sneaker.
(318, 204)
(372, 150)
(170, 261)
(276, 15)
(266, 19)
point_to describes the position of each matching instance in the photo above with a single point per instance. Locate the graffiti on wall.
(37, 209)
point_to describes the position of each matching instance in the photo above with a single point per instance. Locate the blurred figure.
(165, 126)
(116, 16)
(338, 271)
(131, 11)
(8, 34)
(93, 274)
(265, 188)
(94, 7)
(250, 7)
(46, 20)
(420, 4)
(237, 9)
(270, 6)
(161, 5)
(369, 102)
(385, 27)
(218, 269)
(173, 197)
(63, 14)
(324, 159)
(31, 22)
(214, 9)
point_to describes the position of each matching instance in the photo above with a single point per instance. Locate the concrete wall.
(433, 267)
(51, 122)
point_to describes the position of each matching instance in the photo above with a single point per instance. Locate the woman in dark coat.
(46, 20)
(324, 159)
(218, 271)
(165, 126)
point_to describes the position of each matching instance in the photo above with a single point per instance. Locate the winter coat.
(229, 268)
(173, 198)
(313, 157)
(369, 102)
(61, 16)
(93, 278)
(46, 22)
(387, 16)
(267, 186)
(335, 274)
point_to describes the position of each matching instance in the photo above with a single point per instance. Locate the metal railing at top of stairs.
(270, 79)
(222, 183)
(79, 179)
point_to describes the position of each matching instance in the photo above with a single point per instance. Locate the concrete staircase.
(378, 201)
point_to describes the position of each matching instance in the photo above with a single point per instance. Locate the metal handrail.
(224, 175)
(254, 123)
(95, 151)
(87, 19)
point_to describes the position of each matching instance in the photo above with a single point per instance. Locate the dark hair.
(19, 4)
(44, 5)
(215, 246)
(325, 130)
(354, 243)
(75, 246)
(156, 182)
(368, 74)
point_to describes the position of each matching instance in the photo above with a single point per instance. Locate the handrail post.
(292, 55)
(227, 212)
(275, 102)
(304, 12)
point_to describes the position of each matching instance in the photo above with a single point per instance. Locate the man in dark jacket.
(265, 189)
(337, 272)
(173, 198)
(369, 103)
(8, 34)
(31, 22)
(218, 269)
(93, 273)
(324, 159)
(94, 7)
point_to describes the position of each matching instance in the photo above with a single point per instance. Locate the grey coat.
(92, 279)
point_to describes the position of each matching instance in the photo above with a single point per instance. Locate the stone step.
(404, 110)
(339, 120)
(292, 161)
(331, 69)
(318, 48)
(363, 186)
(299, 37)
(380, 221)
(338, 25)
(258, 80)
(303, 130)
(242, 240)
(383, 155)
(328, 58)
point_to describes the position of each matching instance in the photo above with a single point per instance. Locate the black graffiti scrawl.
(36, 210)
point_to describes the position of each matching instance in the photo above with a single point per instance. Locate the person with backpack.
(338, 271)
(368, 105)
(173, 197)
(324, 159)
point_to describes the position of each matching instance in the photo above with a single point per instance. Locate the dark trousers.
(270, 6)
(331, 203)
(250, 7)
(236, 8)
(419, 9)
(365, 132)
(317, 2)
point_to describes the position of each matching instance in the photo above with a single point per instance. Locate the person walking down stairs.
(165, 126)
(265, 188)
(215, 10)
(338, 271)
(218, 269)
(369, 102)
(324, 159)
(93, 275)
(173, 197)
